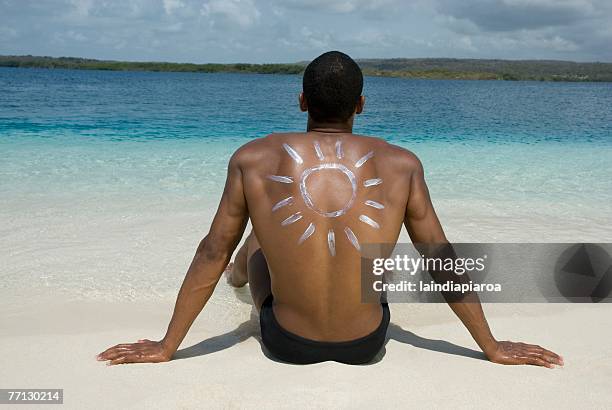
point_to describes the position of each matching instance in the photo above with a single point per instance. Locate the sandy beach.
(429, 361)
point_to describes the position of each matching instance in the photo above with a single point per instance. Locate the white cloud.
(372, 37)
(68, 37)
(465, 43)
(242, 13)
(81, 7)
(75, 35)
(317, 40)
(170, 6)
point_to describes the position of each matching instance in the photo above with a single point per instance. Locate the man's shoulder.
(393, 155)
(407, 157)
(252, 151)
(269, 141)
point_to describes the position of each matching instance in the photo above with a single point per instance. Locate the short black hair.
(332, 85)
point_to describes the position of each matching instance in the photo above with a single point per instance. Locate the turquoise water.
(110, 177)
(92, 132)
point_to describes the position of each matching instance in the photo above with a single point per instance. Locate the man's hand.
(144, 351)
(522, 353)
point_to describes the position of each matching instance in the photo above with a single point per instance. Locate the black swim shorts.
(292, 348)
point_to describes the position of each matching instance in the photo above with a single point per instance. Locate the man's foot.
(234, 277)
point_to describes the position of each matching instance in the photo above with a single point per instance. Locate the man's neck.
(330, 127)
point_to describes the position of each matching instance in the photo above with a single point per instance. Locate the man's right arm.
(425, 229)
(211, 258)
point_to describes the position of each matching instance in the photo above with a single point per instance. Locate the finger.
(126, 347)
(131, 358)
(115, 349)
(557, 358)
(122, 352)
(110, 349)
(143, 340)
(119, 360)
(547, 355)
(104, 353)
(538, 347)
(108, 352)
(115, 354)
(537, 361)
(551, 357)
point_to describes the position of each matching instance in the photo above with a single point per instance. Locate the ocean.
(109, 179)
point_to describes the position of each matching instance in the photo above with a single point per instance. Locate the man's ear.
(303, 103)
(360, 105)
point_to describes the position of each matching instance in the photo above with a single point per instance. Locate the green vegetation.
(473, 69)
(88, 64)
(429, 68)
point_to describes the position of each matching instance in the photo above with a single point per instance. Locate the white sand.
(431, 363)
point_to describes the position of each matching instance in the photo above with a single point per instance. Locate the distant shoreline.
(423, 68)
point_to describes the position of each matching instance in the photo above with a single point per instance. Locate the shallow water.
(109, 176)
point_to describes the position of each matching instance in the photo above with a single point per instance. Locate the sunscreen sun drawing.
(308, 200)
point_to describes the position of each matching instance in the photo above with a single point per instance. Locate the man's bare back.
(314, 198)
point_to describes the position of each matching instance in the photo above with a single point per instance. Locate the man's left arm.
(427, 234)
(211, 258)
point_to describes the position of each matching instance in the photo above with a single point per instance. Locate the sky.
(277, 31)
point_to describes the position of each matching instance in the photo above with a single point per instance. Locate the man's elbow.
(212, 250)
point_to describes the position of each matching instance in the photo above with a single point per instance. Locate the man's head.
(332, 88)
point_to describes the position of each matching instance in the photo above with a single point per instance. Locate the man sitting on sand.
(314, 198)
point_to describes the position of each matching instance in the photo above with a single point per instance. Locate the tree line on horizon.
(426, 68)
